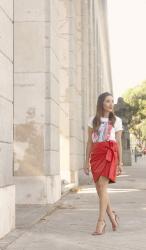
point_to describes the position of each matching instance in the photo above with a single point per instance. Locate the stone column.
(36, 102)
(7, 187)
(75, 91)
(103, 52)
(85, 65)
(64, 37)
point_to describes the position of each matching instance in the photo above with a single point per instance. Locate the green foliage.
(136, 99)
(143, 129)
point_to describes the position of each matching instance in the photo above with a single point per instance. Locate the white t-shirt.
(105, 131)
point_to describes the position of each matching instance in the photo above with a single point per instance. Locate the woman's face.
(108, 104)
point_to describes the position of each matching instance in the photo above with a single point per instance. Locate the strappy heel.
(117, 221)
(102, 232)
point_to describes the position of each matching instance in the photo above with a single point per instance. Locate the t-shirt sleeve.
(118, 124)
(90, 121)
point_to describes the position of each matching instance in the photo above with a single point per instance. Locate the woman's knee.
(101, 184)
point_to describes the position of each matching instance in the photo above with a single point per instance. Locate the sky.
(127, 42)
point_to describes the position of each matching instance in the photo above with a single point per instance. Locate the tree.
(136, 98)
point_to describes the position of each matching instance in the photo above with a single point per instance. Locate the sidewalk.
(69, 226)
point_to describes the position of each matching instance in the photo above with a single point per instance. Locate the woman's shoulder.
(118, 123)
(118, 118)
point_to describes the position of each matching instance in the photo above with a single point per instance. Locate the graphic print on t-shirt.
(103, 132)
(106, 130)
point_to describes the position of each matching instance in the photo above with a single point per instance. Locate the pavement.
(68, 224)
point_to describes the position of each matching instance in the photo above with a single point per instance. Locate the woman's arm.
(88, 150)
(118, 136)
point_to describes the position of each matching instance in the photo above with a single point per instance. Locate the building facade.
(7, 186)
(55, 62)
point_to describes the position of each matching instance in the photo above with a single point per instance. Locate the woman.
(104, 156)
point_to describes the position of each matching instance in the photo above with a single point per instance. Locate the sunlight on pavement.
(87, 190)
(123, 190)
(123, 175)
(110, 190)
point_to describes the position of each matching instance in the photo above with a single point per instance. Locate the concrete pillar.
(7, 187)
(76, 139)
(101, 17)
(64, 41)
(36, 112)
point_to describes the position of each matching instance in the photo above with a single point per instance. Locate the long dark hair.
(100, 111)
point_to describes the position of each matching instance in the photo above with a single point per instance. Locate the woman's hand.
(120, 168)
(86, 168)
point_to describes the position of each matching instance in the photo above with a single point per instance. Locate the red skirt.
(104, 160)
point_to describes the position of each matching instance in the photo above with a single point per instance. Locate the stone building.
(54, 59)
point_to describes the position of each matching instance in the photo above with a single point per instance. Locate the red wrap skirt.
(104, 160)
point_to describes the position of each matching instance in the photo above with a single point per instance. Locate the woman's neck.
(106, 114)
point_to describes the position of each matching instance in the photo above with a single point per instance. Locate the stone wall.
(54, 62)
(61, 64)
(36, 105)
(7, 187)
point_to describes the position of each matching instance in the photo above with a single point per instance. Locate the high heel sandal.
(117, 221)
(102, 232)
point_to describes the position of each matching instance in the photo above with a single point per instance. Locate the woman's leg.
(103, 201)
(103, 196)
(109, 208)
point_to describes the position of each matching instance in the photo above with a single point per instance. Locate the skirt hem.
(110, 180)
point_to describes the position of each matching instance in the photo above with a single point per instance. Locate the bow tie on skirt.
(104, 159)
